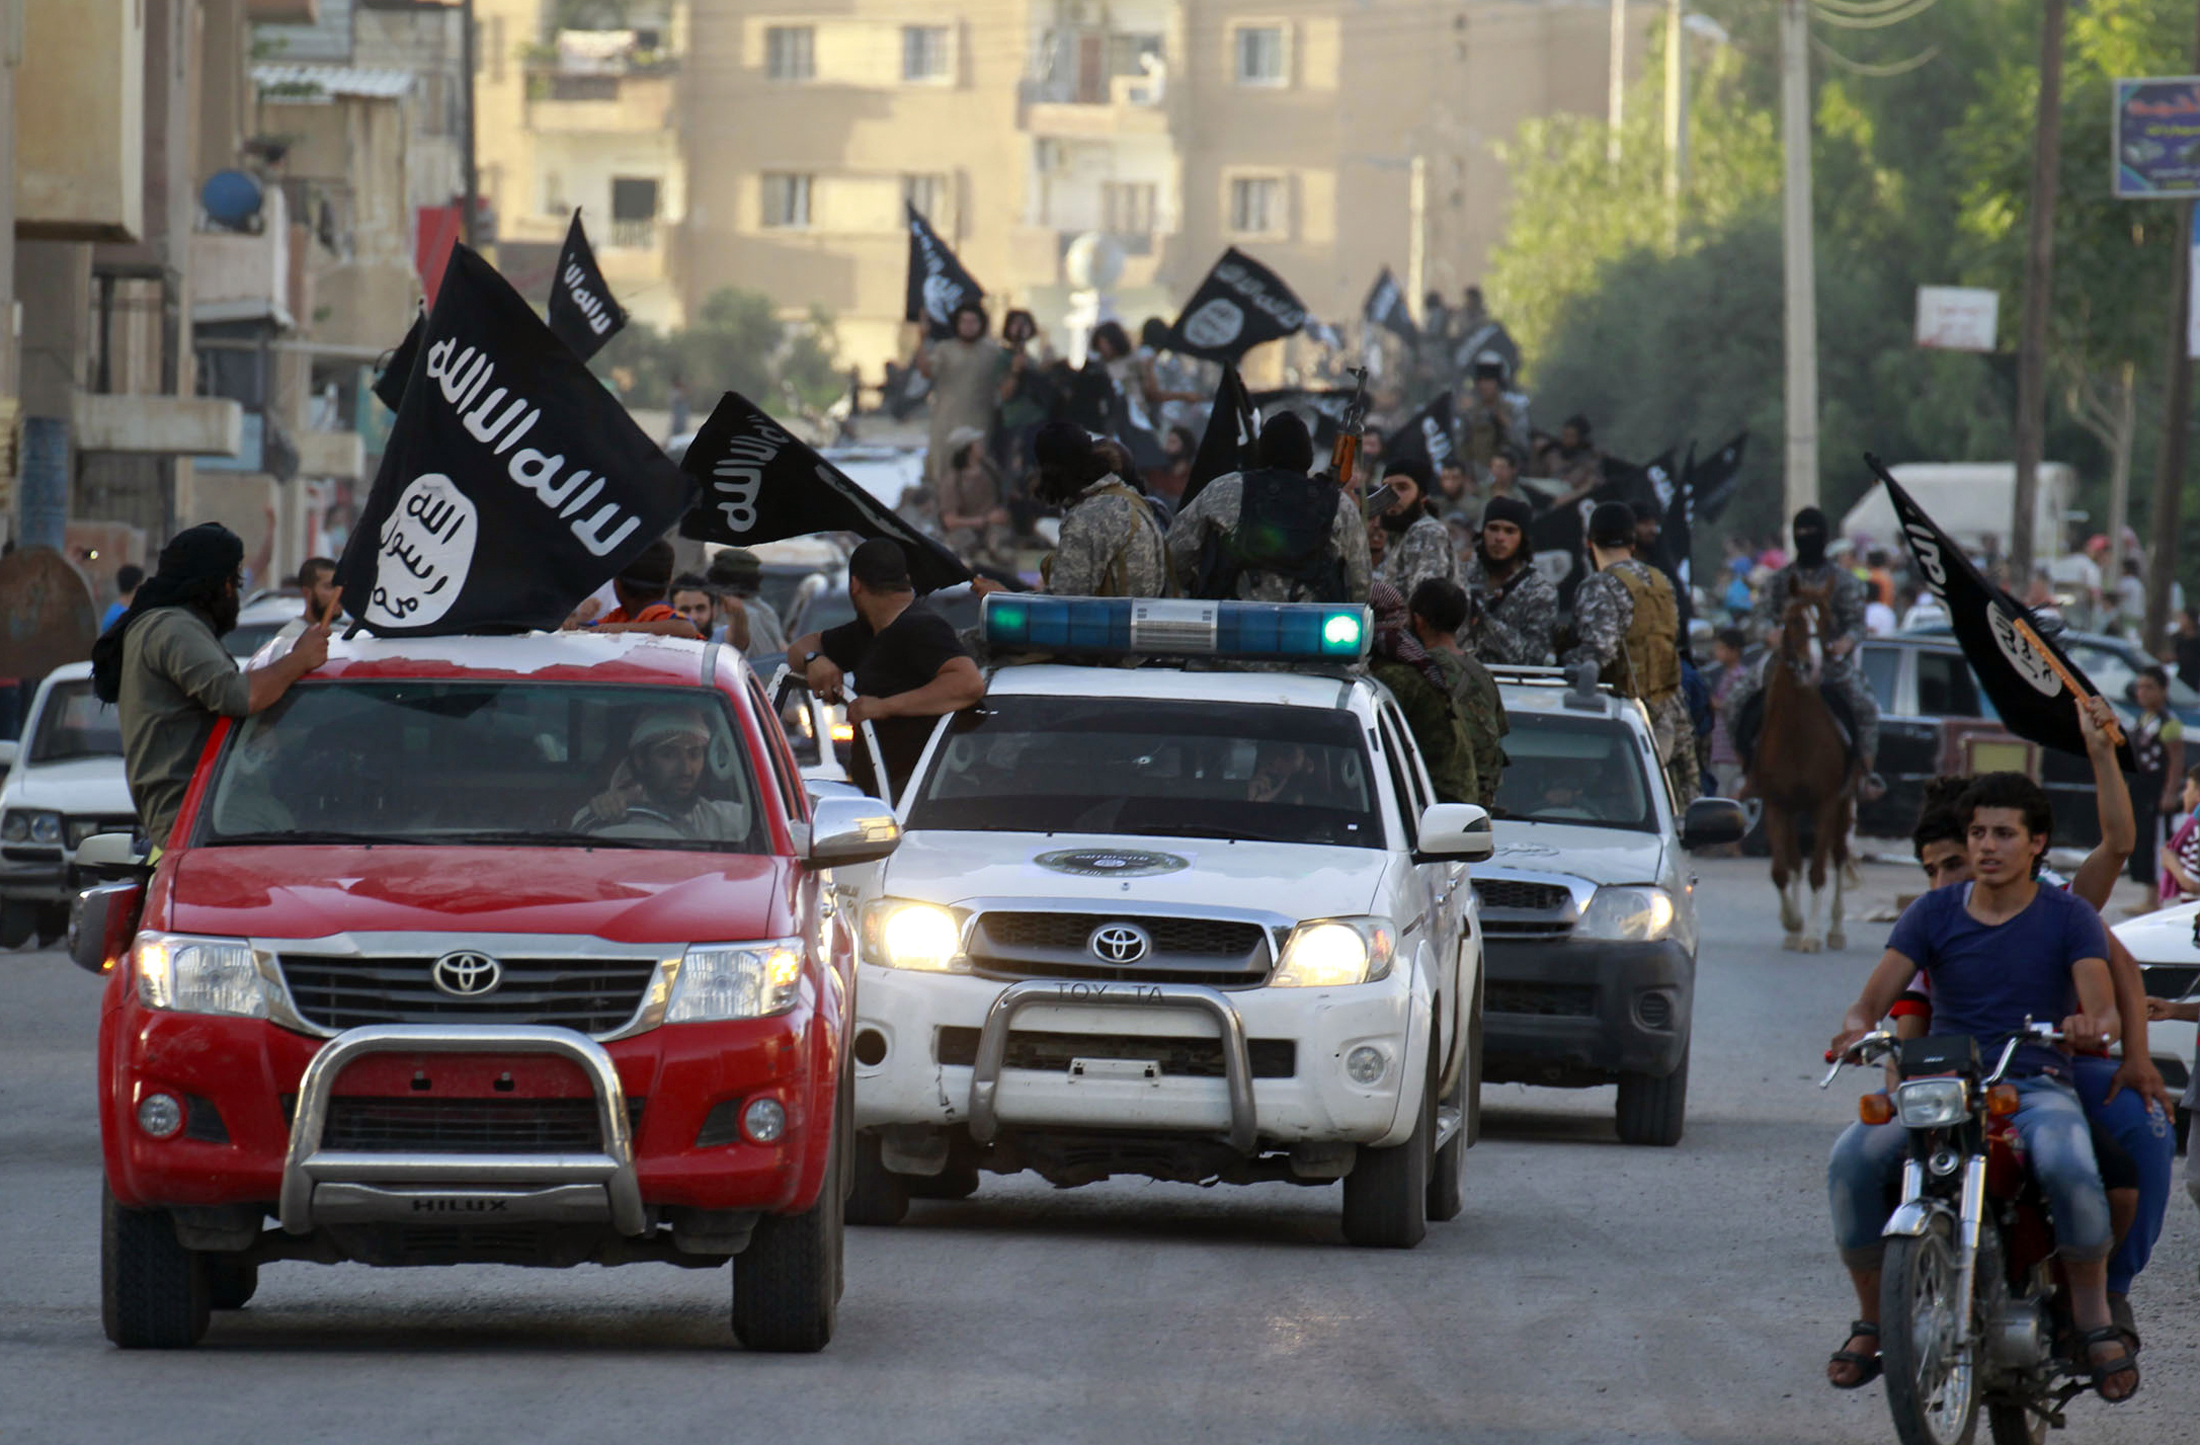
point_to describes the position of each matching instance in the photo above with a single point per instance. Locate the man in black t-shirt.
(909, 667)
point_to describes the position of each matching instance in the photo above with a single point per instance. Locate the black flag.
(513, 484)
(937, 281)
(1560, 534)
(762, 485)
(1227, 444)
(1679, 537)
(2030, 698)
(1425, 436)
(1718, 476)
(1240, 305)
(1321, 408)
(582, 312)
(390, 385)
(1386, 307)
(1490, 339)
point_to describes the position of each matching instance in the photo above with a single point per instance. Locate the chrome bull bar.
(356, 1186)
(1237, 1066)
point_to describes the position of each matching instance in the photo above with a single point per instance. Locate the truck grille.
(1517, 908)
(467, 1126)
(588, 995)
(1221, 951)
(1546, 1000)
(1179, 1056)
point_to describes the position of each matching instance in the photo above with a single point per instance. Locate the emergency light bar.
(1270, 631)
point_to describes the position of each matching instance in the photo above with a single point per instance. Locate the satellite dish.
(231, 198)
(1093, 262)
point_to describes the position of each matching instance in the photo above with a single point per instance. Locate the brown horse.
(1802, 769)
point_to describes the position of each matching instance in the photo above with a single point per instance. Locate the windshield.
(519, 763)
(75, 724)
(1574, 770)
(1158, 769)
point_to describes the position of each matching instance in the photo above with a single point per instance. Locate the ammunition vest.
(1648, 665)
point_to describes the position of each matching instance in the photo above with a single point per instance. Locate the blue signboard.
(2157, 138)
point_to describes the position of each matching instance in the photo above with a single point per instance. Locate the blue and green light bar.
(1168, 627)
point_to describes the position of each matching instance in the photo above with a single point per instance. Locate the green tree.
(734, 342)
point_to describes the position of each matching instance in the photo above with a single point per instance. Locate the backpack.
(1283, 530)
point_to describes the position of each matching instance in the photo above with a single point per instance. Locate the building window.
(1256, 206)
(553, 194)
(1127, 213)
(634, 211)
(786, 201)
(924, 52)
(1260, 55)
(790, 52)
(932, 198)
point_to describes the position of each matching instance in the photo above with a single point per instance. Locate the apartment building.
(1328, 137)
(589, 119)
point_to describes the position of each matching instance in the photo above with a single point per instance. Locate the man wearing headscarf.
(1627, 623)
(1512, 609)
(1274, 533)
(163, 665)
(658, 787)
(1400, 663)
(738, 574)
(1846, 594)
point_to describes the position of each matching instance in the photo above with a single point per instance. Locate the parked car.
(2166, 945)
(442, 966)
(66, 786)
(2110, 664)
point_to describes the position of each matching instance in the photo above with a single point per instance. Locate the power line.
(1888, 71)
(1840, 21)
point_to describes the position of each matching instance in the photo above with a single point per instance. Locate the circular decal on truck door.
(1111, 862)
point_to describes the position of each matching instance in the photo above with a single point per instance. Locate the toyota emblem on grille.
(467, 975)
(1119, 943)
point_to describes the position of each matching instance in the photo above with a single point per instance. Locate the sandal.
(2122, 1364)
(1867, 1366)
(2119, 1311)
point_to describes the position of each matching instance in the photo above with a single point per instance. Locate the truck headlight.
(1931, 1103)
(1334, 952)
(1627, 915)
(736, 981)
(28, 825)
(901, 934)
(199, 975)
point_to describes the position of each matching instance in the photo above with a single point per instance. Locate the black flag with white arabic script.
(1718, 476)
(1386, 307)
(1560, 534)
(937, 281)
(1227, 444)
(582, 312)
(513, 485)
(2030, 699)
(761, 484)
(1426, 436)
(1240, 305)
(389, 387)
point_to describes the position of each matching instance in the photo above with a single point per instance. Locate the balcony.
(246, 275)
(600, 104)
(1132, 106)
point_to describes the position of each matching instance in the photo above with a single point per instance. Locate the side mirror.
(851, 830)
(1711, 822)
(109, 853)
(1457, 830)
(102, 921)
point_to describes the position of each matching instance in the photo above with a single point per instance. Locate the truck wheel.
(1386, 1194)
(959, 1180)
(1653, 1110)
(880, 1195)
(230, 1282)
(53, 924)
(786, 1284)
(152, 1291)
(18, 921)
(1447, 1177)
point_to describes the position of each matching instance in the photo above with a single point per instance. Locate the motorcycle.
(1972, 1307)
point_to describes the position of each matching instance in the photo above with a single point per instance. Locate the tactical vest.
(1648, 666)
(1283, 529)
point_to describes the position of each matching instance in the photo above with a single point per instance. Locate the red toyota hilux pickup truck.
(484, 949)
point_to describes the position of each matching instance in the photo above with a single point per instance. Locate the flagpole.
(466, 61)
(1801, 260)
(2169, 467)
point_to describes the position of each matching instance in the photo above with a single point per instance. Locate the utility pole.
(1417, 235)
(1615, 96)
(471, 201)
(1801, 260)
(2169, 466)
(2039, 285)
(1676, 119)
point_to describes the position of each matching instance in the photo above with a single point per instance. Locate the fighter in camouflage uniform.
(1512, 608)
(1216, 551)
(1627, 623)
(1841, 673)
(1111, 543)
(1438, 608)
(1418, 545)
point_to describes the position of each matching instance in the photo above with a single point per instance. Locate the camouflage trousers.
(1674, 733)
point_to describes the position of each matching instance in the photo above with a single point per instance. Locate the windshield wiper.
(306, 835)
(522, 838)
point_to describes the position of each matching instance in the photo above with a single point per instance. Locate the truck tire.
(152, 1291)
(1386, 1194)
(1653, 1110)
(230, 1282)
(959, 1180)
(1447, 1175)
(880, 1196)
(786, 1284)
(53, 924)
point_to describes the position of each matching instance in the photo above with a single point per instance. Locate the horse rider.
(1845, 595)
(1512, 609)
(1627, 623)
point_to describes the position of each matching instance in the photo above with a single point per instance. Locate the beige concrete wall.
(79, 113)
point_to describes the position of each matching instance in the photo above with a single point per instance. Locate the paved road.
(1589, 1293)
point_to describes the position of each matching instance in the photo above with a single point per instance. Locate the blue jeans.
(1867, 1163)
(2152, 1144)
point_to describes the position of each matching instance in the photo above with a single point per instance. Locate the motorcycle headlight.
(721, 981)
(1335, 952)
(1627, 915)
(898, 933)
(199, 975)
(1931, 1103)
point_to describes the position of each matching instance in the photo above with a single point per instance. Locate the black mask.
(1810, 537)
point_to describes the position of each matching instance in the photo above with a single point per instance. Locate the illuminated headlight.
(736, 981)
(1627, 915)
(900, 934)
(1335, 952)
(1932, 1103)
(836, 723)
(199, 975)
